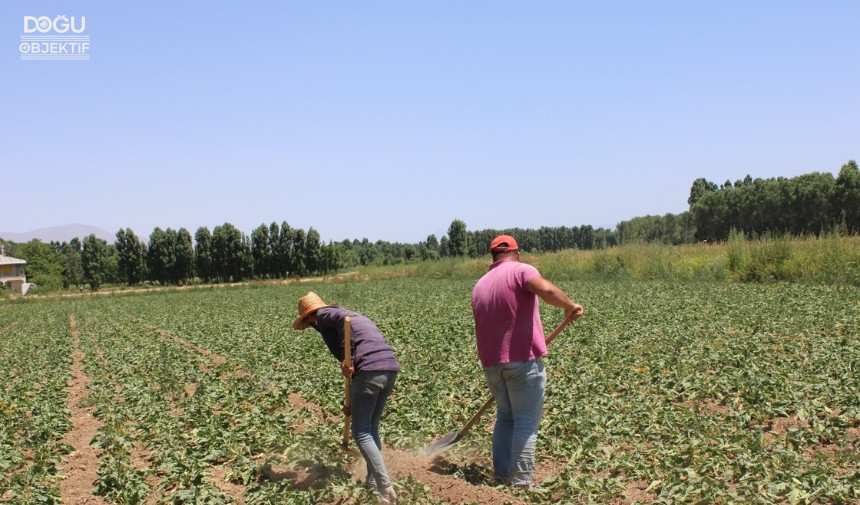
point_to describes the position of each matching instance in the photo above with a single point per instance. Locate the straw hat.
(308, 304)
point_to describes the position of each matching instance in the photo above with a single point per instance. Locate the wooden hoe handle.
(490, 400)
(347, 358)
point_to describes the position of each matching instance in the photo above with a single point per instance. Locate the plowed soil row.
(80, 466)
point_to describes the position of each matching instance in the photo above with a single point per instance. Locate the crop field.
(662, 393)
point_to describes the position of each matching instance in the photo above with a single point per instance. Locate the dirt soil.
(437, 473)
(79, 468)
(429, 471)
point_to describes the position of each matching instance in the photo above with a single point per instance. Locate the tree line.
(808, 204)
(805, 205)
(275, 251)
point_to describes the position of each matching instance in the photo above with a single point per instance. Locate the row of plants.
(176, 416)
(684, 392)
(690, 378)
(690, 390)
(35, 359)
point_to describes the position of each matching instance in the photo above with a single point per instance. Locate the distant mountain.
(60, 234)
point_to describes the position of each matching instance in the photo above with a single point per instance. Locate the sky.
(387, 120)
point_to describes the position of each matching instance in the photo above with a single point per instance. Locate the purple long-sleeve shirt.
(370, 352)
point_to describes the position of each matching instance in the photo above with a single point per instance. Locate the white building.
(12, 273)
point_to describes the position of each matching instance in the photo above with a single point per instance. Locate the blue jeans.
(368, 393)
(518, 389)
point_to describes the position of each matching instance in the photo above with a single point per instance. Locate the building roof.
(9, 260)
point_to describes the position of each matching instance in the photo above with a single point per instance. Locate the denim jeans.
(368, 393)
(518, 389)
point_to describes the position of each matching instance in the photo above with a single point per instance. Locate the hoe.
(450, 439)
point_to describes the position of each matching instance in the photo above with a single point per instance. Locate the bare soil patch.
(427, 471)
(79, 467)
(706, 407)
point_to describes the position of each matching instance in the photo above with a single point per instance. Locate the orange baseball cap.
(503, 243)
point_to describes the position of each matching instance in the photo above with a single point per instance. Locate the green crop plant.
(672, 391)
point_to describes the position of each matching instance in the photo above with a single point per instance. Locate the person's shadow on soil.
(473, 473)
(305, 475)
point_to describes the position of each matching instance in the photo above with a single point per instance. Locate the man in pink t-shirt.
(510, 340)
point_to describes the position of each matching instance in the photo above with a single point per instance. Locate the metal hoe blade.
(450, 439)
(444, 443)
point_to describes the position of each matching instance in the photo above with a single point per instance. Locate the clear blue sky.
(387, 120)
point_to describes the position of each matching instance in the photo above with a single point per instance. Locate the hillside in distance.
(63, 233)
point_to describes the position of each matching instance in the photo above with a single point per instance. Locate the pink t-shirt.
(507, 321)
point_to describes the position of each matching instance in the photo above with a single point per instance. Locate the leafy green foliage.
(35, 357)
(93, 260)
(44, 267)
(686, 392)
(808, 204)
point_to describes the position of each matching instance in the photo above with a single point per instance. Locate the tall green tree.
(808, 204)
(348, 254)
(330, 255)
(111, 270)
(443, 245)
(161, 256)
(231, 254)
(708, 215)
(584, 237)
(274, 244)
(768, 207)
(429, 249)
(313, 252)
(298, 266)
(94, 255)
(700, 187)
(458, 239)
(261, 251)
(847, 197)
(432, 242)
(44, 267)
(203, 263)
(283, 251)
(184, 266)
(73, 273)
(813, 203)
(131, 257)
